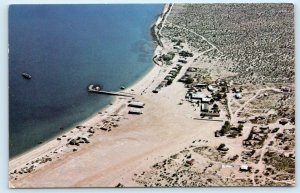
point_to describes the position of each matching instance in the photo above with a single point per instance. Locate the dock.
(95, 89)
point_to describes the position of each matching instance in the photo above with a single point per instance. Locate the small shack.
(204, 107)
(168, 78)
(197, 96)
(244, 168)
(135, 111)
(264, 127)
(205, 100)
(285, 89)
(191, 69)
(190, 162)
(283, 121)
(242, 121)
(182, 61)
(200, 85)
(211, 88)
(238, 95)
(137, 104)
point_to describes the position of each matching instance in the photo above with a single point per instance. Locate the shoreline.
(137, 87)
(108, 108)
(114, 99)
(155, 29)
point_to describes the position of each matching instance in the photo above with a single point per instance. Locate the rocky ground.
(257, 40)
(251, 47)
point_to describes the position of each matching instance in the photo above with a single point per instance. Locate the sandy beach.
(115, 148)
(114, 156)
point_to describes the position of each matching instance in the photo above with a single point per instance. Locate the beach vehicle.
(26, 76)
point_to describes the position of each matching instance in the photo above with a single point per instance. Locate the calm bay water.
(65, 48)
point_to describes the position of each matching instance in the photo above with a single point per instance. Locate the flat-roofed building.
(204, 107)
(135, 111)
(205, 100)
(244, 168)
(238, 95)
(137, 104)
(198, 96)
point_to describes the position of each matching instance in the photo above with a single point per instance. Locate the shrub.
(221, 146)
(189, 80)
(169, 81)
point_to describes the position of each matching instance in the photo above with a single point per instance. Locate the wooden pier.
(92, 88)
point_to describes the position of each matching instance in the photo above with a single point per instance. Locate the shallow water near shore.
(65, 48)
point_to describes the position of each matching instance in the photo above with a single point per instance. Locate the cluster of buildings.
(168, 78)
(206, 96)
(183, 55)
(257, 136)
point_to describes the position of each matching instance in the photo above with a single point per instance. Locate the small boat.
(26, 76)
(94, 87)
(122, 87)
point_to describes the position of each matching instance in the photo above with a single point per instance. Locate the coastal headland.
(193, 120)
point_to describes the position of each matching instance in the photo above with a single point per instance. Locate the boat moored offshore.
(26, 75)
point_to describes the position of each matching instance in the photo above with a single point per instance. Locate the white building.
(198, 96)
(205, 100)
(204, 107)
(238, 95)
(212, 88)
(135, 111)
(244, 168)
(137, 104)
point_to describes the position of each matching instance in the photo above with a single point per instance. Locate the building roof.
(238, 95)
(205, 99)
(211, 88)
(198, 95)
(264, 127)
(204, 107)
(136, 111)
(137, 103)
(244, 167)
(200, 85)
(284, 120)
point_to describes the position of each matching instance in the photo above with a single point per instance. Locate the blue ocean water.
(65, 48)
